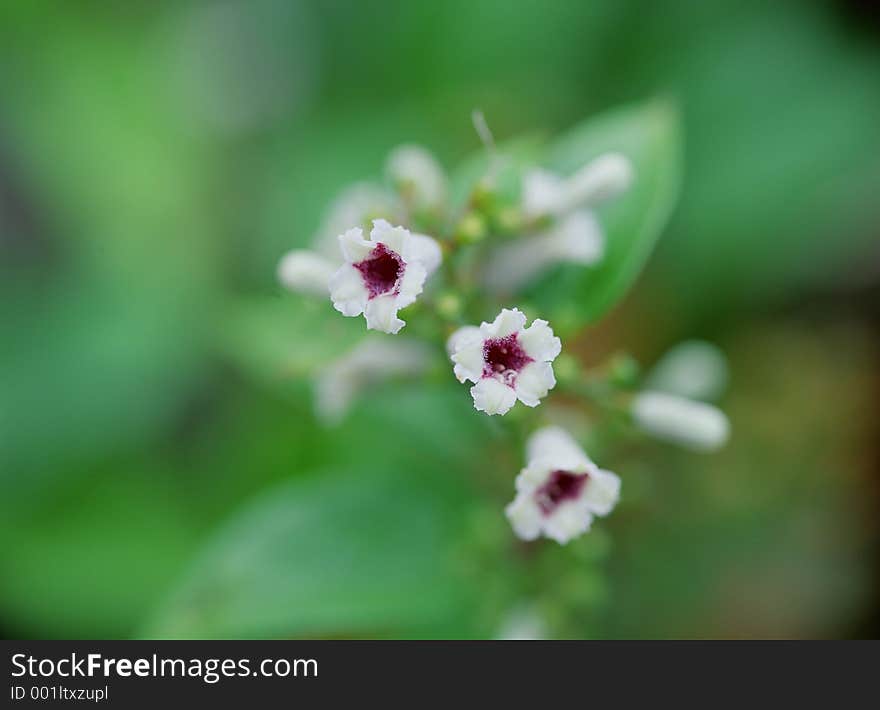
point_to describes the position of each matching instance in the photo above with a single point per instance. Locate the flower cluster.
(373, 256)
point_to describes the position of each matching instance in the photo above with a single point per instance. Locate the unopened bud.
(682, 421)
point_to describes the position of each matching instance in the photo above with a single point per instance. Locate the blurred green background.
(157, 158)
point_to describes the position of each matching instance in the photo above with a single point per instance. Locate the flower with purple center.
(383, 274)
(560, 490)
(505, 360)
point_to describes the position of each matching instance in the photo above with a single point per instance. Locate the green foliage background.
(161, 472)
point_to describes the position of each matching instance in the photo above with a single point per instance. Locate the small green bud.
(483, 196)
(449, 305)
(471, 229)
(509, 220)
(623, 370)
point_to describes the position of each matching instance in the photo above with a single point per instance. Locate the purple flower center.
(504, 358)
(560, 486)
(381, 271)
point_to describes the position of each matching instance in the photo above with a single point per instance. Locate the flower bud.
(305, 271)
(374, 359)
(449, 305)
(682, 421)
(694, 369)
(471, 229)
(604, 178)
(417, 175)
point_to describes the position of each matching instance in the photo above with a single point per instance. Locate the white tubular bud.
(305, 271)
(370, 361)
(576, 238)
(512, 266)
(413, 168)
(682, 421)
(694, 369)
(543, 193)
(606, 177)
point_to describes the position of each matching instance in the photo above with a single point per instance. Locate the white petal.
(556, 444)
(525, 516)
(533, 382)
(602, 491)
(535, 474)
(567, 522)
(465, 334)
(539, 342)
(411, 284)
(306, 272)
(542, 193)
(347, 291)
(423, 248)
(354, 247)
(492, 397)
(683, 421)
(605, 177)
(468, 359)
(395, 238)
(577, 238)
(381, 314)
(507, 322)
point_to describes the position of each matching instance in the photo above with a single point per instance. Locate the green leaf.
(648, 134)
(278, 339)
(338, 555)
(93, 560)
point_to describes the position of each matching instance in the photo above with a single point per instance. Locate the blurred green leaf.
(277, 339)
(340, 555)
(92, 561)
(648, 134)
(83, 374)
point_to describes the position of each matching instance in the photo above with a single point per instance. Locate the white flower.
(560, 490)
(382, 275)
(506, 361)
(545, 193)
(575, 238)
(695, 425)
(309, 270)
(414, 170)
(372, 360)
(693, 369)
